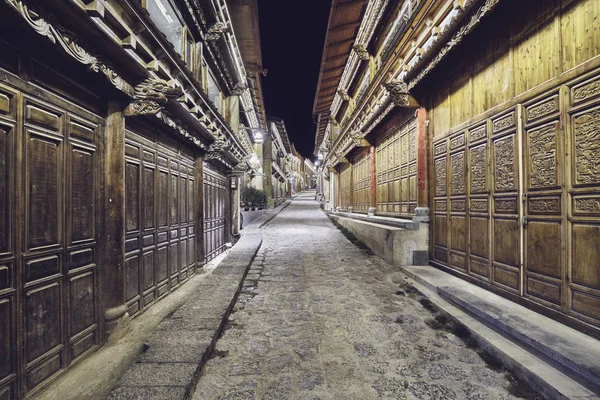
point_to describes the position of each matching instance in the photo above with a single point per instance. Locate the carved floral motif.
(458, 173)
(539, 110)
(478, 133)
(70, 44)
(544, 205)
(542, 157)
(441, 205)
(458, 205)
(440, 148)
(587, 205)
(586, 91)
(504, 157)
(503, 123)
(440, 176)
(457, 142)
(506, 205)
(587, 147)
(478, 175)
(480, 205)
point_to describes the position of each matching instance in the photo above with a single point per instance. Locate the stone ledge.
(397, 245)
(388, 221)
(559, 362)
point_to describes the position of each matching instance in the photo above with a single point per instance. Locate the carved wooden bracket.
(358, 139)
(361, 51)
(341, 157)
(216, 31)
(150, 97)
(219, 146)
(398, 91)
(343, 94)
(239, 89)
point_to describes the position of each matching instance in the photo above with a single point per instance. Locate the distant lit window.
(166, 19)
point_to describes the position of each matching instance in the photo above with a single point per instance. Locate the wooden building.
(481, 116)
(119, 142)
(280, 154)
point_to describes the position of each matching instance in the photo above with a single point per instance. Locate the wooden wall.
(520, 46)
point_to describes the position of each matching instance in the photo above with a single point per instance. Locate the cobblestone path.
(319, 318)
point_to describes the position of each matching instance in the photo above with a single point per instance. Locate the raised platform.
(559, 361)
(399, 242)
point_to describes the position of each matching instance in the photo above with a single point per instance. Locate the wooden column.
(267, 150)
(422, 210)
(115, 311)
(199, 210)
(373, 180)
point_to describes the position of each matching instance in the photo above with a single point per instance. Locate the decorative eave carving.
(454, 41)
(239, 168)
(358, 139)
(180, 128)
(220, 145)
(398, 91)
(341, 157)
(343, 94)
(239, 89)
(216, 31)
(70, 45)
(332, 120)
(150, 97)
(361, 51)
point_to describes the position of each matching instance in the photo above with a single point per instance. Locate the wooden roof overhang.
(344, 21)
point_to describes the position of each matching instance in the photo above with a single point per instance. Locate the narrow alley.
(320, 318)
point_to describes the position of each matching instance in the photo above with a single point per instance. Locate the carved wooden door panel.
(506, 207)
(544, 219)
(9, 253)
(583, 249)
(396, 158)
(159, 245)
(478, 227)
(216, 198)
(49, 180)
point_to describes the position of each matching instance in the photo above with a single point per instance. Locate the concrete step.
(560, 361)
(572, 351)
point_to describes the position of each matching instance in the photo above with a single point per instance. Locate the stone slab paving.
(318, 318)
(179, 347)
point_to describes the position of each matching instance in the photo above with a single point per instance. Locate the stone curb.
(544, 378)
(181, 345)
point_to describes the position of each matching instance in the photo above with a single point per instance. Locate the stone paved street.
(320, 318)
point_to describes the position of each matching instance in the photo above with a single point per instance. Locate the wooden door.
(159, 195)
(361, 181)
(506, 205)
(216, 200)
(543, 199)
(533, 189)
(396, 167)
(582, 124)
(49, 180)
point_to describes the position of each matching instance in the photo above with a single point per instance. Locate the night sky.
(292, 34)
